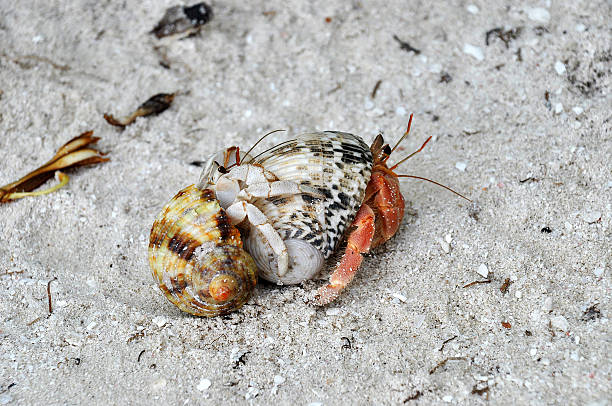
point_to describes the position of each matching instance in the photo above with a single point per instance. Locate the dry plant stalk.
(155, 105)
(72, 154)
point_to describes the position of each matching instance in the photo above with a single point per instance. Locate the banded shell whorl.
(197, 258)
(336, 164)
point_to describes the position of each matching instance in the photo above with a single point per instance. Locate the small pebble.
(333, 311)
(559, 323)
(547, 304)
(448, 238)
(560, 67)
(400, 111)
(252, 393)
(518, 294)
(578, 110)
(377, 112)
(445, 246)
(539, 14)
(483, 270)
(159, 384)
(315, 404)
(472, 9)
(558, 108)
(74, 341)
(419, 320)
(5, 399)
(160, 321)
(204, 385)
(598, 272)
(435, 68)
(400, 297)
(236, 354)
(473, 51)
(533, 352)
(461, 166)
(447, 398)
(278, 380)
(580, 27)
(592, 216)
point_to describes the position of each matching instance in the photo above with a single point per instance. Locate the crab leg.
(359, 242)
(277, 188)
(240, 210)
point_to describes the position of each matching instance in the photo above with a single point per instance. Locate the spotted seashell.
(337, 165)
(196, 255)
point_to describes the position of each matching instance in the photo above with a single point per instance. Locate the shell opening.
(305, 260)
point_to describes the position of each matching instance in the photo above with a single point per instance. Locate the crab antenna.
(411, 155)
(261, 139)
(237, 163)
(403, 136)
(435, 183)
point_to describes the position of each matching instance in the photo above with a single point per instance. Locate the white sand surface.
(525, 129)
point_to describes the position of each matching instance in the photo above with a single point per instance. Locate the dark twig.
(8, 387)
(477, 283)
(416, 395)
(49, 295)
(481, 391)
(140, 355)
(153, 106)
(447, 341)
(135, 336)
(335, 89)
(36, 320)
(443, 362)
(21, 61)
(406, 46)
(504, 287)
(505, 35)
(376, 86)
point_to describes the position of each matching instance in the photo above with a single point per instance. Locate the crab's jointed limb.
(359, 242)
(240, 210)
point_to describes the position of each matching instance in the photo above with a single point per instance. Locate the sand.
(522, 125)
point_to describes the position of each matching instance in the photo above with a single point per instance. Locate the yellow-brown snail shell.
(196, 255)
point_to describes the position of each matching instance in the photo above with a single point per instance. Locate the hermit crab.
(294, 203)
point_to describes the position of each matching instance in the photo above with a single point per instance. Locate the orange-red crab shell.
(197, 258)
